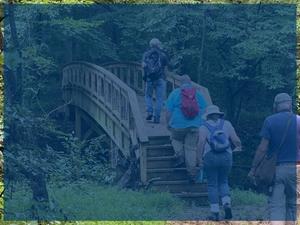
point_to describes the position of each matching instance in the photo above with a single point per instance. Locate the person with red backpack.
(154, 62)
(185, 106)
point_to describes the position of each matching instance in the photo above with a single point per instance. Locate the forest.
(244, 55)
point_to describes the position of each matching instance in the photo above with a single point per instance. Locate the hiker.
(215, 156)
(279, 143)
(154, 62)
(185, 106)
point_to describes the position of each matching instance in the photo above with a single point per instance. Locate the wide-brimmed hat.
(212, 109)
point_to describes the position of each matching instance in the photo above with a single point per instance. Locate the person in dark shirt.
(281, 127)
(154, 62)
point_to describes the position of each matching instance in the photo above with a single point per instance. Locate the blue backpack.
(217, 140)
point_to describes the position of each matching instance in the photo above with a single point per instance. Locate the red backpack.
(189, 104)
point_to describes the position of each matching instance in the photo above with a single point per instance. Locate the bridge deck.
(151, 129)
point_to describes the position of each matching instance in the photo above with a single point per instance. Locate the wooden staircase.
(165, 177)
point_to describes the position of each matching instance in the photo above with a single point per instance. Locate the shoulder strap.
(285, 133)
(221, 124)
(210, 128)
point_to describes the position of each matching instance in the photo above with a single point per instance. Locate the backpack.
(189, 104)
(217, 140)
(153, 63)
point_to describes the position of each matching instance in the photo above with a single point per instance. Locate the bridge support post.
(78, 123)
(143, 164)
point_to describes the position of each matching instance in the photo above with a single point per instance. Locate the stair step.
(161, 162)
(160, 150)
(159, 140)
(179, 186)
(167, 173)
(191, 195)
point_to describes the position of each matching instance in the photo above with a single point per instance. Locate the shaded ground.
(251, 213)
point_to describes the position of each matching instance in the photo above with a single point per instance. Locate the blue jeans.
(160, 88)
(217, 167)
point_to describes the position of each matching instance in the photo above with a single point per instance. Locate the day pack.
(153, 63)
(217, 139)
(189, 104)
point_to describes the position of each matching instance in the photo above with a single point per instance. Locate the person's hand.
(237, 149)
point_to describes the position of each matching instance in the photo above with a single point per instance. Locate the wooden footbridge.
(112, 96)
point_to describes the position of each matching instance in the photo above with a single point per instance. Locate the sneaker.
(228, 213)
(149, 117)
(213, 217)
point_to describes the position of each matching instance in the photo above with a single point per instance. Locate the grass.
(249, 198)
(89, 201)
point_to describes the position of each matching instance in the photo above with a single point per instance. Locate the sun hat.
(212, 109)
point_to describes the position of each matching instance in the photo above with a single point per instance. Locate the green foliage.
(247, 198)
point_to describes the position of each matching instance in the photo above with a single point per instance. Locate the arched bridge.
(113, 96)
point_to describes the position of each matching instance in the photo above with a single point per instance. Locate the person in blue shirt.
(279, 136)
(184, 131)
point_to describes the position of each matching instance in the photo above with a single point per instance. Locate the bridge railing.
(96, 89)
(132, 73)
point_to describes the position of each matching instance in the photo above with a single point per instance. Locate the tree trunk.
(15, 42)
(199, 69)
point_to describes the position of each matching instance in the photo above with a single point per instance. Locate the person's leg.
(148, 99)
(160, 89)
(211, 172)
(190, 151)
(291, 192)
(177, 138)
(225, 162)
(277, 200)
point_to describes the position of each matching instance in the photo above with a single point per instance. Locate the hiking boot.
(156, 120)
(228, 213)
(149, 117)
(192, 179)
(213, 217)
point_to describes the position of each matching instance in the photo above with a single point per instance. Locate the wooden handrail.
(172, 78)
(106, 89)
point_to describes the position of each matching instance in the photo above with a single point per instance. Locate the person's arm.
(143, 60)
(236, 141)
(260, 153)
